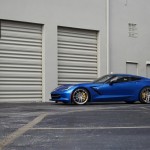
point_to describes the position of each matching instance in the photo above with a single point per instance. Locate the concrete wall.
(122, 47)
(86, 14)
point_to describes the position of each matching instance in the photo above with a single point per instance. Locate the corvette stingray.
(111, 87)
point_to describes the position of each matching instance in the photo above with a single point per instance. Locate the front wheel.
(80, 96)
(145, 95)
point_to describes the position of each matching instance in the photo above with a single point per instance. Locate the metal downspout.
(108, 50)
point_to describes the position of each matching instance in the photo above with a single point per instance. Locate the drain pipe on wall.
(108, 50)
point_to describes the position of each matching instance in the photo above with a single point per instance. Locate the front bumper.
(64, 96)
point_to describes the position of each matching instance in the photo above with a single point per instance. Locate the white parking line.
(92, 128)
(11, 137)
(145, 108)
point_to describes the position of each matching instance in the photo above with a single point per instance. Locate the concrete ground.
(50, 126)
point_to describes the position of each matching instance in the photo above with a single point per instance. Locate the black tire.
(145, 95)
(65, 103)
(129, 102)
(80, 96)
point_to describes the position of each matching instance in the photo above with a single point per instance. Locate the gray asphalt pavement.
(50, 126)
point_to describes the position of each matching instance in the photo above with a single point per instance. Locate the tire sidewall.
(140, 99)
(74, 102)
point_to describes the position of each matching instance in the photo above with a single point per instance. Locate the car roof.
(129, 75)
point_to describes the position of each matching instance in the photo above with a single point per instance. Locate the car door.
(121, 88)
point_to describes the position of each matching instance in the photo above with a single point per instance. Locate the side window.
(123, 79)
(135, 78)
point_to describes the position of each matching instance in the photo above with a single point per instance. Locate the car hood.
(89, 84)
(73, 86)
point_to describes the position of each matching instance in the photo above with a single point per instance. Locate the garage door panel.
(20, 83)
(20, 93)
(22, 25)
(91, 52)
(19, 96)
(72, 59)
(71, 39)
(77, 55)
(66, 81)
(20, 79)
(19, 99)
(24, 88)
(77, 35)
(21, 29)
(14, 69)
(77, 68)
(9, 93)
(78, 32)
(20, 53)
(77, 71)
(20, 48)
(20, 74)
(20, 66)
(23, 35)
(20, 56)
(20, 39)
(77, 64)
(15, 42)
(20, 61)
(77, 76)
(74, 81)
(76, 45)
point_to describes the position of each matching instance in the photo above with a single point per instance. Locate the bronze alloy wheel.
(145, 95)
(80, 96)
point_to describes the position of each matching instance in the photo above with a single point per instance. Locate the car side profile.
(111, 87)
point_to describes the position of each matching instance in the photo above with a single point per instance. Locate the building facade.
(48, 43)
(129, 37)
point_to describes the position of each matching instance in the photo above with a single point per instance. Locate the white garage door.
(132, 68)
(77, 55)
(148, 70)
(20, 61)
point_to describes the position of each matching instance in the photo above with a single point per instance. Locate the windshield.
(104, 79)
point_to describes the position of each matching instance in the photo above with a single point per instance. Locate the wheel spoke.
(145, 95)
(148, 98)
(80, 96)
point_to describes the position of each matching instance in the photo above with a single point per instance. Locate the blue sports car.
(111, 87)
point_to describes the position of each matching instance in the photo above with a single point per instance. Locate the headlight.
(63, 87)
(57, 88)
(67, 87)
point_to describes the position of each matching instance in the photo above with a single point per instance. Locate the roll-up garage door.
(132, 68)
(20, 61)
(77, 55)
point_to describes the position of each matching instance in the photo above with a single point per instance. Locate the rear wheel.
(145, 95)
(80, 96)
